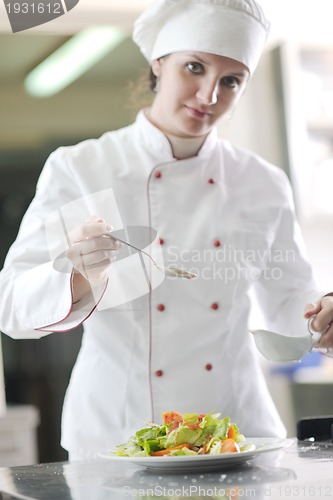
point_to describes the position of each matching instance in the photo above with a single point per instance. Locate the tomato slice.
(172, 416)
(229, 446)
(194, 426)
(231, 433)
(160, 453)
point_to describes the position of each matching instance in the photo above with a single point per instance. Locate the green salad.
(186, 434)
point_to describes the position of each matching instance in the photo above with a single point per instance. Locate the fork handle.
(115, 238)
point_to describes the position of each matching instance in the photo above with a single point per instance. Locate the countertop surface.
(303, 470)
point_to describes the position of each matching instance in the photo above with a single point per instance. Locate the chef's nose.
(208, 93)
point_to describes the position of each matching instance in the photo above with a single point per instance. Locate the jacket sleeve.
(36, 299)
(290, 283)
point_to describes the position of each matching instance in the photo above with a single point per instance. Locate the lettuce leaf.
(183, 435)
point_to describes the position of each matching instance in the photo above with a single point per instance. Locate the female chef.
(153, 344)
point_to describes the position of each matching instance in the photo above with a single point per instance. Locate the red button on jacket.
(160, 307)
(217, 243)
(158, 175)
(215, 306)
(159, 373)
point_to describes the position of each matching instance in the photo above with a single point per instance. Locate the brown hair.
(140, 91)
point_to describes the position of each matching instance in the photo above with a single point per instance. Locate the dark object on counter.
(319, 428)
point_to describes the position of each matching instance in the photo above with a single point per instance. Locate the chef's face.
(195, 90)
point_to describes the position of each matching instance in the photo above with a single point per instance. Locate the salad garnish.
(186, 434)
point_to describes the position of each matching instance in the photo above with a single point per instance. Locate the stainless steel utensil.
(168, 271)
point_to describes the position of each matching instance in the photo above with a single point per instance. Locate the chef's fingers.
(93, 227)
(311, 309)
(92, 251)
(326, 340)
(324, 316)
(93, 257)
(92, 245)
(323, 321)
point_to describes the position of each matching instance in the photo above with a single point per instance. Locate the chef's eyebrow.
(195, 56)
(243, 73)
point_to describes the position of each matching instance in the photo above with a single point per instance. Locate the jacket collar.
(156, 141)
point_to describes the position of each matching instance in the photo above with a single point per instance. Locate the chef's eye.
(230, 81)
(195, 67)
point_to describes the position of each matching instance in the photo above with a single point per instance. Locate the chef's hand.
(323, 320)
(91, 254)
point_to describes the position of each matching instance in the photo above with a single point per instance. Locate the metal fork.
(168, 271)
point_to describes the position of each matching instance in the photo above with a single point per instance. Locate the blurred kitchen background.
(286, 116)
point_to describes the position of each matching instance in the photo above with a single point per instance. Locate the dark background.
(36, 371)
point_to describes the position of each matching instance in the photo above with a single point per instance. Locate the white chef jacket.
(226, 214)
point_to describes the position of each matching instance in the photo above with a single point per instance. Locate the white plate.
(203, 462)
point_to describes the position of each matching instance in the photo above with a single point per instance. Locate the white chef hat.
(232, 28)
